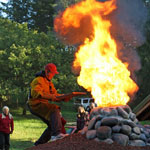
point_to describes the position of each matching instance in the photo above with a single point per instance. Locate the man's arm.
(63, 97)
(67, 97)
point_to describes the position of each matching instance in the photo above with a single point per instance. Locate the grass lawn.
(146, 122)
(27, 129)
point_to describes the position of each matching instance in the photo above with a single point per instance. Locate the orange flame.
(102, 72)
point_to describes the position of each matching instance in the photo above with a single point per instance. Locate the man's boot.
(45, 137)
(56, 126)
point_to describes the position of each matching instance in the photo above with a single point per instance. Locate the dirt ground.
(79, 142)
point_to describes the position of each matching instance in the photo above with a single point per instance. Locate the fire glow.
(101, 71)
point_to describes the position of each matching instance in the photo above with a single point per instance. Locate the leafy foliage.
(24, 52)
(38, 14)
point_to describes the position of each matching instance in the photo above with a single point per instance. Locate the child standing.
(82, 118)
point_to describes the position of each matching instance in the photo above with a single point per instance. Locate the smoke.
(128, 22)
(127, 29)
(129, 17)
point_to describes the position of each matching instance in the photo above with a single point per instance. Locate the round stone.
(147, 134)
(126, 129)
(91, 123)
(97, 124)
(127, 108)
(134, 136)
(116, 129)
(109, 121)
(128, 122)
(137, 130)
(91, 134)
(137, 143)
(108, 141)
(120, 139)
(84, 130)
(132, 116)
(122, 113)
(113, 112)
(103, 132)
(143, 137)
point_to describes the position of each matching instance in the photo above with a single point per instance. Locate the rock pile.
(116, 124)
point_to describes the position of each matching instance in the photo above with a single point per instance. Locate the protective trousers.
(53, 129)
(56, 124)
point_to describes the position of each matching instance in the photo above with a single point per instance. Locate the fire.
(102, 72)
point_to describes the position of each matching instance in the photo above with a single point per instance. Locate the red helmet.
(52, 68)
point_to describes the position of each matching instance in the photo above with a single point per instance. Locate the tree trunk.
(17, 103)
(24, 96)
(24, 112)
(1, 104)
(24, 107)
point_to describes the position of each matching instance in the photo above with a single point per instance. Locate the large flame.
(102, 72)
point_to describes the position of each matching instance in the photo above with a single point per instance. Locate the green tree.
(17, 10)
(42, 15)
(38, 14)
(62, 4)
(24, 52)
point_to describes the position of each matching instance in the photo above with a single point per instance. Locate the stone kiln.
(116, 124)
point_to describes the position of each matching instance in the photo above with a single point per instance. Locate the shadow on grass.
(68, 115)
(20, 117)
(20, 145)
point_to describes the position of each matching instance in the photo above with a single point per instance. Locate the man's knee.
(56, 113)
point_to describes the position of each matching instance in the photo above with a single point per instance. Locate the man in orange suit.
(42, 92)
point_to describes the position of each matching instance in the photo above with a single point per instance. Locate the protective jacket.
(6, 123)
(39, 87)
